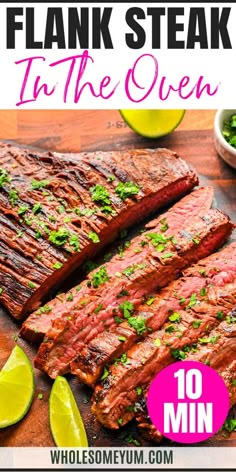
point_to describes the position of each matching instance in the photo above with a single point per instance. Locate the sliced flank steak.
(110, 344)
(97, 307)
(188, 327)
(59, 209)
(152, 314)
(191, 206)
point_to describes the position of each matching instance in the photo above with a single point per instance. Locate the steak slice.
(58, 209)
(194, 205)
(110, 344)
(154, 311)
(138, 273)
(201, 312)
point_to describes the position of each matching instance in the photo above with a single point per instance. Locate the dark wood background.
(102, 130)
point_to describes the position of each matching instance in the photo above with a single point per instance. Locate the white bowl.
(227, 152)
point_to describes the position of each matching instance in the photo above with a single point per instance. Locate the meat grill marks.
(115, 397)
(153, 269)
(191, 206)
(110, 344)
(57, 210)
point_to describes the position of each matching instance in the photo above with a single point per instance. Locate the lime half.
(66, 424)
(16, 388)
(152, 123)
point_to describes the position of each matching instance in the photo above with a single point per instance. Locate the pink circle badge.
(188, 402)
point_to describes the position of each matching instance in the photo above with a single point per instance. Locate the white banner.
(132, 458)
(125, 55)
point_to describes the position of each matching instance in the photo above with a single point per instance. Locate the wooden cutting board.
(197, 148)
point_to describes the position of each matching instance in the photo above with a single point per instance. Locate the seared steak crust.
(58, 209)
(194, 318)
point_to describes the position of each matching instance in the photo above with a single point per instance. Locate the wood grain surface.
(103, 130)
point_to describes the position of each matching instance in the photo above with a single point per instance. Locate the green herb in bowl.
(229, 130)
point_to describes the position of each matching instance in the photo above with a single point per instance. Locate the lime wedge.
(16, 388)
(66, 424)
(152, 123)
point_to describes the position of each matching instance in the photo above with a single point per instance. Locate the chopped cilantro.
(22, 210)
(229, 425)
(202, 272)
(122, 338)
(175, 318)
(170, 328)
(111, 178)
(150, 301)
(74, 242)
(164, 225)
(67, 219)
(139, 390)
(40, 396)
(39, 257)
(220, 315)
(37, 208)
(31, 284)
(99, 277)
(57, 265)
(193, 301)
(126, 190)
(196, 240)
(127, 308)
(157, 342)
(1, 290)
(167, 255)
(196, 324)
(13, 197)
(39, 184)
(61, 209)
(229, 131)
(94, 237)
(105, 373)
(99, 307)
(59, 237)
(70, 297)
(203, 292)
(137, 323)
(78, 288)
(178, 354)
(100, 194)
(15, 337)
(230, 319)
(4, 177)
(212, 340)
(131, 269)
(118, 319)
(123, 293)
(52, 219)
(120, 421)
(182, 300)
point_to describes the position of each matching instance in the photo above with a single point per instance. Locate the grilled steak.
(191, 206)
(189, 323)
(57, 210)
(110, 344)
(138, 273)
